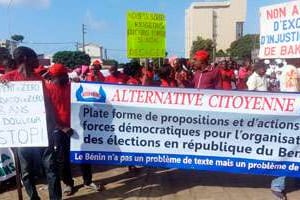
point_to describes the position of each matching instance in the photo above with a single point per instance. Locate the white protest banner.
(22, 115)
(236, 131)
(280, 30)
(7, 164)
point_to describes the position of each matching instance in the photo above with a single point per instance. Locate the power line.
(116, 50)
(49, 43)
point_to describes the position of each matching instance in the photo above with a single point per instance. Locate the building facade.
(11, 45)
(219, 20)
(95, 51)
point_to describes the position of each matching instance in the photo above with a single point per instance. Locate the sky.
(59, 22)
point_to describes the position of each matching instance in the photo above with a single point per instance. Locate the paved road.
(164, 184)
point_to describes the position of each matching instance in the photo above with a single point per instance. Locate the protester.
(94, 73)
(165, 76)
(135, 77)
(258, 80)
(26, 61)
(244, 72)
(42, 71)
(6, 62)
(147, 75)
(134, 73)
(59, 89)
(115, 76)
(288, 83)
(227, 75)
(289, 79)
(273, 83)
(178, 73)
(206, 76)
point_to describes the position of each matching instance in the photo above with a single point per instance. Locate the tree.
(72, 59)
(221, 53)
(110, 62)
(242, 47)
(17, 38)
(202, 44)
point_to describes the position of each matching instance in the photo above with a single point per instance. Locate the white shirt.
(257, 82)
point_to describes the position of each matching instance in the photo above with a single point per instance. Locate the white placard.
(22, 115)
(280, 30)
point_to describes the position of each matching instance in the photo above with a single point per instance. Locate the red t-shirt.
(119, 78)
(15, 75)
(133, 81)
(2, 69)
(165, 83)
(60, 96)
(226, 78)
(95, 77)
(244, 73)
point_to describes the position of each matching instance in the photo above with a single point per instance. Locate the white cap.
(278, 61)
(267, 62)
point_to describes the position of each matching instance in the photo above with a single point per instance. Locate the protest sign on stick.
(22, 115)
(146, 35)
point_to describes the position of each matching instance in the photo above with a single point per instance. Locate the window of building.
(239, 29)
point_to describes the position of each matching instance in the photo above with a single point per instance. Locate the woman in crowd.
(227, 75)
(94, 74)
(244, 72)
(116, 76)
(165, 76)
(26, 61)
(134, 73)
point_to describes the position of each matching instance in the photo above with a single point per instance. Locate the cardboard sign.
(22, 115)
(146, 35)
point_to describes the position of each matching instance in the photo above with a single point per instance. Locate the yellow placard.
(146, 35)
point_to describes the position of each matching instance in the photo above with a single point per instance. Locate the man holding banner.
(26, 61)
(279, 38)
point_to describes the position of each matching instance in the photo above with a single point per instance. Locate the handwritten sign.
(280, 30)
(22, 115)
(240, 132)
(146, 33)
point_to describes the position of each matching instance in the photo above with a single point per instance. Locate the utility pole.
(77, 46)
(105, 54)
(214, 32)
(83, 33)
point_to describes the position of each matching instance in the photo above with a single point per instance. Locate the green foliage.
(71, 59)
(221, 53)
(242, 47)
(202, 44)
(17, 38)
(110, 62)
(134, 60)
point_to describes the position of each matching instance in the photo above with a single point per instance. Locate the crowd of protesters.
(197, 72)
